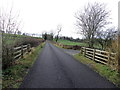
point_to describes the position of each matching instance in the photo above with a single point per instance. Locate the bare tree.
(59, 28)
(91, 20)
(9, 22)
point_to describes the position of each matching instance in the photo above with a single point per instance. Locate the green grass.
(13, 38)
(13, 76)
(103, 70)
(67, 42)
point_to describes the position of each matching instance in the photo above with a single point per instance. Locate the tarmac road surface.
(56, 69)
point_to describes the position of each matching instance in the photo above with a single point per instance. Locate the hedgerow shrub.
(9, 43)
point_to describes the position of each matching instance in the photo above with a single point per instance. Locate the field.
(9, 39)
(67, 42)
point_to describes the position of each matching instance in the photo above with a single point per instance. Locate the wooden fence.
(104, 57)
(20, 51)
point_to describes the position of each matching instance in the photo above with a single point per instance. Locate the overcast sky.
(44, 15)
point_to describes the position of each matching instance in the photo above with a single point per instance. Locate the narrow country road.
(56, 69)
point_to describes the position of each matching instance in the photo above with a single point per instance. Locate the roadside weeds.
(13, 76)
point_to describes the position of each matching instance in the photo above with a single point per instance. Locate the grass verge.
(57, 46)
(13, 76)
(103, 70)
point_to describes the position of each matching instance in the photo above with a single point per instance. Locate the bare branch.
(93, 19)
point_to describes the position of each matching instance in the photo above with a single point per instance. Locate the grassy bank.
(103, 70)
(13, 76)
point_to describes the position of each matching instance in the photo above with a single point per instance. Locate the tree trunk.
(56, 38)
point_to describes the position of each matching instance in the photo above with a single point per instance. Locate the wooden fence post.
(109, 61)
(29, 48)
(93, 54)
(116, 64)
(22, 51)
(81, 51)
(84, 51)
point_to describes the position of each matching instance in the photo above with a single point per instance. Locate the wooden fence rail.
(100, 56)
(20, 51)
